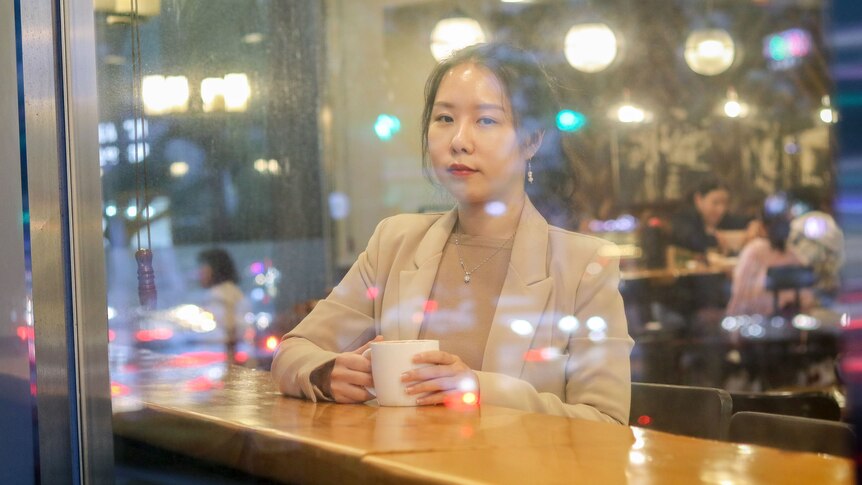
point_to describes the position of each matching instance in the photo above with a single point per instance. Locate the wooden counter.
(238, 420)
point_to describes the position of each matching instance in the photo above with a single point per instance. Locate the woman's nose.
(462, 140)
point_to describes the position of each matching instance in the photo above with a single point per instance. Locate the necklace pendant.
(466, 278)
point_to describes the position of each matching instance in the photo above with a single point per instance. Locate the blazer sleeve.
(598, 373)
(344, 321)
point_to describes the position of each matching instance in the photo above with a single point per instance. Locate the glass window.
(253, 146)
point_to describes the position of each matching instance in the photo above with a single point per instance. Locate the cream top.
(459, 314)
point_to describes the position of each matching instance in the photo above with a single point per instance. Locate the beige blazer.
(571, 360)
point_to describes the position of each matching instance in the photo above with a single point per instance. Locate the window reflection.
(283, 132)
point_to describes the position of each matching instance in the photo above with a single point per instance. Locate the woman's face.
(205, 275)
(712, 206)
(472, 142)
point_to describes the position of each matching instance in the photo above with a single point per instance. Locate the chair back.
(792, 433)
(789, 277)
(700, 412)
(817, 405)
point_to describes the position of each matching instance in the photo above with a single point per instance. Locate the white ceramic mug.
(390, 359)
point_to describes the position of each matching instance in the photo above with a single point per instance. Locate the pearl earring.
(529, 171)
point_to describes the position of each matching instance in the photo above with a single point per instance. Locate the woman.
(526, 312)
(748, 293)
(217, 274)
(695, 228)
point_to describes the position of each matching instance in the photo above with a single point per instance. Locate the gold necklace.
(468, 273)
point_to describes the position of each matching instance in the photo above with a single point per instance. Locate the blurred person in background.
(749, 295)
(217, 274)
(694, 226)
(816, 240)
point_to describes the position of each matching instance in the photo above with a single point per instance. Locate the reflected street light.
(709, 52)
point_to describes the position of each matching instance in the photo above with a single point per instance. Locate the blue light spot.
(568, 120)
(386, 126)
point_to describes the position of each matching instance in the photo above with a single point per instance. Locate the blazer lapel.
(523, 304)
(414, 285)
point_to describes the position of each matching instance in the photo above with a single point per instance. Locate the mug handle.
(367, 355)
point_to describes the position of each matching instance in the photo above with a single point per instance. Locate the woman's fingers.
(353, 361)
(349, 376)
(367, 345)
(435, 385)
(435, 357)
(429, 372)
(343, 392)
(440, 397)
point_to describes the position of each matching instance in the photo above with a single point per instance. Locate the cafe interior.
(260, 142)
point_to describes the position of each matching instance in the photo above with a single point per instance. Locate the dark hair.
(221, 264)
(708, 185)
(534, 108)
(777, 230)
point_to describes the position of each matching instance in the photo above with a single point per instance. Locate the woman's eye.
(444, 118)
(487, 121)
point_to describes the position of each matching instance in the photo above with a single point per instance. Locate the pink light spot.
(431, 306)
(372, 292)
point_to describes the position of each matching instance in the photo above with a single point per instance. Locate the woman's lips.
(459, 170)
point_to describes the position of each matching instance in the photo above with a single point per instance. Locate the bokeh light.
(569, 121)
(387, 126)
(568, 324)
(522, 327)
(590, 47)
(453, 34)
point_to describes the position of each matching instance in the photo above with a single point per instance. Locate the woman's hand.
(350, 376)
(447, 378)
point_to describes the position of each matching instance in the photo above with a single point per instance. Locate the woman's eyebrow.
(481, 106)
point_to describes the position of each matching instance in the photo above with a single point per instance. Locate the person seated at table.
(525, 312)
(749, 295)
(816, 240)
(697, 227)
(224, 299)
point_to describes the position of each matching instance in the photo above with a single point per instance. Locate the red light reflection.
(195, 359)
(372, 292)
(154, 334)
(431, 306)
(644, 420)
(25, 333)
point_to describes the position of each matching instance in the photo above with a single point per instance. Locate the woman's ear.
(532, 144)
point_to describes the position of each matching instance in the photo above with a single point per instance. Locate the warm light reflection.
(230, 93)
(271, 343)
(637, 458)
(179, 169)
(629, 113)
(590, 47)
(372, 292)
(709, 52)
(163, 94)
(453, 34)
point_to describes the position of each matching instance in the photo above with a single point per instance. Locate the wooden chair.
(792, 433)
(700, 412)
(817, 405)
